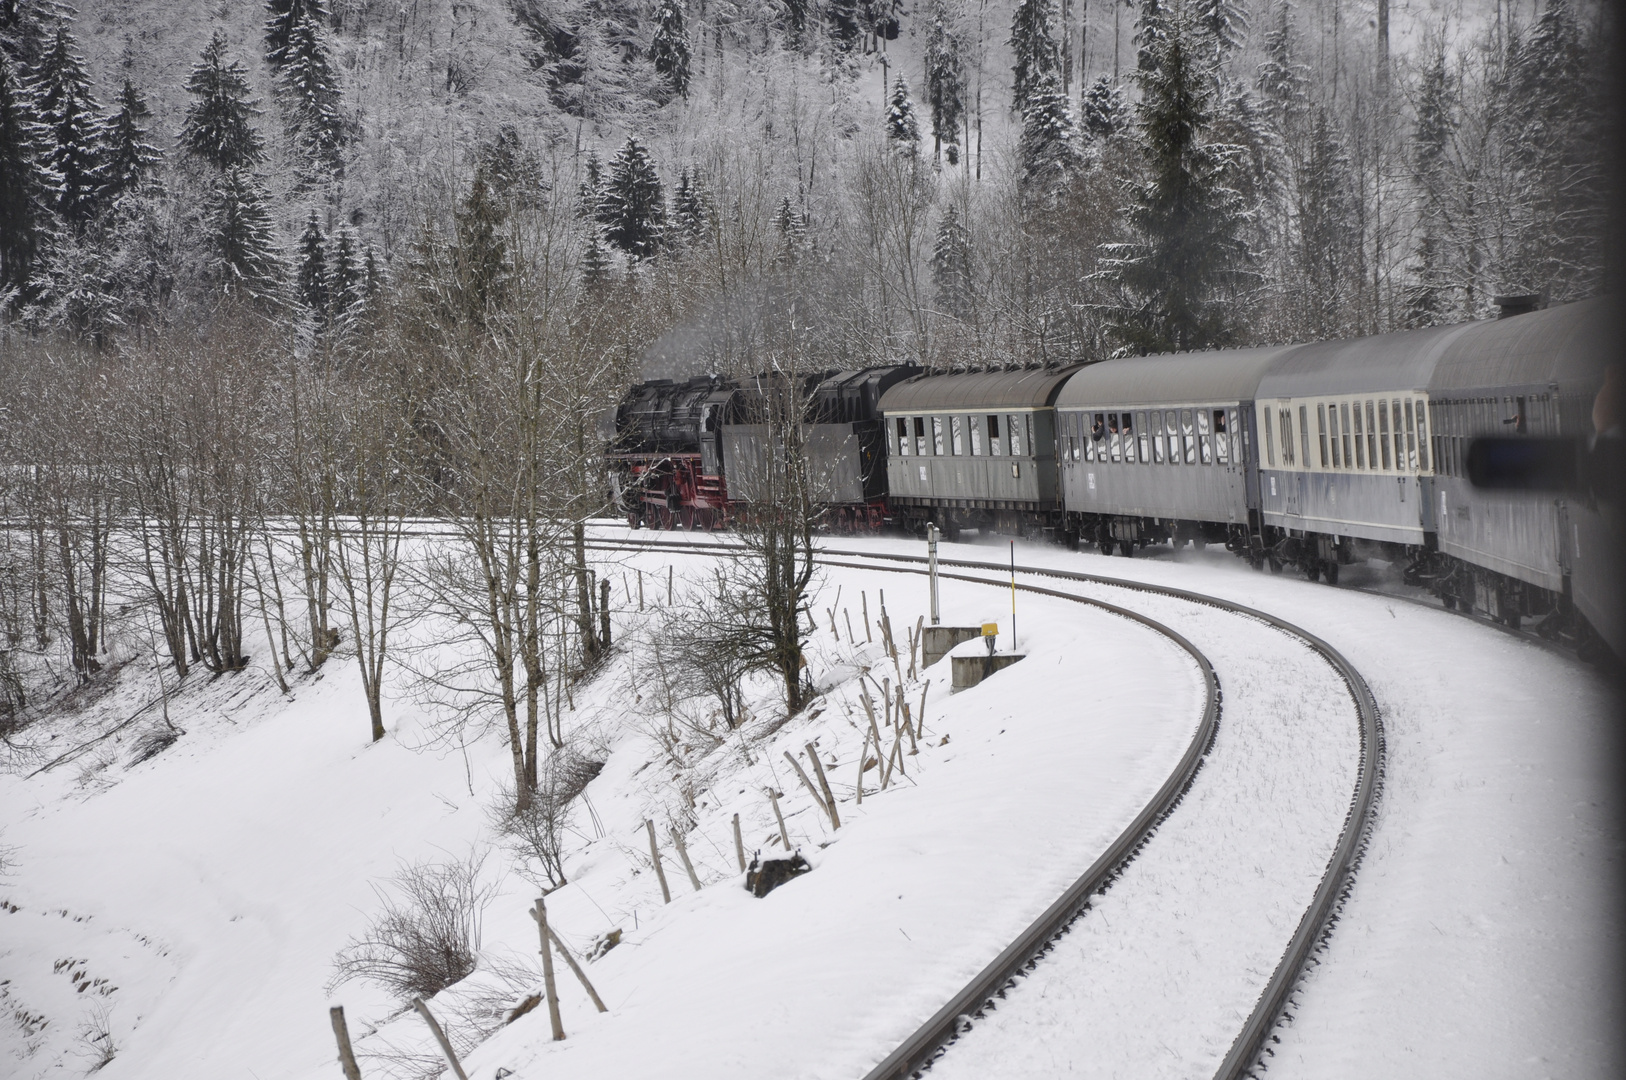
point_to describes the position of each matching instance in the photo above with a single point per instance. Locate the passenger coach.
(1160, 448)
(975, 450)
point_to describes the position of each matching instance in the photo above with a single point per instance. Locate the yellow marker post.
(990, 631)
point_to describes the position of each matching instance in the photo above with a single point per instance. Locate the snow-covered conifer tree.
(1033, 43)
(310, 90)
(247, 259)
(902, 130)
(1282, 81)
(690, 212)
(1103, 115)
(595, 262)
(669, 50)
(590, 195)
(1047, 146)
(792, 227)
(346, 277)
(1428, 293)
(846, 23)
(1328, 236)
(482, 250)
(73, 122)
(1179, 276)
(217, 128)
(312, 276)
(1225, 21)
(131, 159)
(283, 18)
(951, 265)
(27, 188)
(634, 202)
(945, 82)
(372, 273)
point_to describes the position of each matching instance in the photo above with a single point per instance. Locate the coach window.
(1343, 411)
(1114, 440)
(1321, 431)
(1013, 426)
(1284, 419)
(1411, 438)
(1332, 420)
(1155, 429)
(1171, 430)
(1188, 436)
(920, 435)
(1422, 436)
(903, 436)
(1400, 437)
(1128, 425)
(1270, 439)
(994, 443)
(974, 423)
(1304, 433)
(1222, 449)
(1383, 431)
(1141, 435)
(937, 436)
(1204, 443)
(957, 435)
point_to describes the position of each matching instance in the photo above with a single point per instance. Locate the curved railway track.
(1022, 956)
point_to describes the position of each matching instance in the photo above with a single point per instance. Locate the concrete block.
(938, 641)
(971, 670)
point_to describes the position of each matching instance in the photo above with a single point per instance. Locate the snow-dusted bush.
(427, 936)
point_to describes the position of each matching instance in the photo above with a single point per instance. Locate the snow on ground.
(200, 896)
(1158, 977)
(1483, 932)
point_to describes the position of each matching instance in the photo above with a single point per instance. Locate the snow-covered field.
(213, 884)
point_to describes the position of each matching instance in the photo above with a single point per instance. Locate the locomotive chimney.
(1518, 304)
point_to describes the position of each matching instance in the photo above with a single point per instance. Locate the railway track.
(1245, 635)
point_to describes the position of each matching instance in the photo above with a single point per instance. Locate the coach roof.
(1030, 388)
(1172, 378)
(1568, 345)
(1398, 361)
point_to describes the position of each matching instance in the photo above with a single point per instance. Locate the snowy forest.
(267, 265)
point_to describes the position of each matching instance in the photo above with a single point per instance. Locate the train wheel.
(1330, 572)
(1105, 544)
(1126, 548)
(1313, 571)
(1275, 564)
(686, 517)
(1449, 601)
(666, 517)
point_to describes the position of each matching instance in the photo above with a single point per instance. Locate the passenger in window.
(993, 436)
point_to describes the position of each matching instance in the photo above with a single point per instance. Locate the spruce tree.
(312, 277)
(217, 128)
(482, 250)
(1327, 232)
(634, 203)
(347, 277)
(284, 16)
(670, 47)
(792, 228)
(131, 159)
(1047, 146)
(690, 213)
(1103, 115)
(1224, 21)
(372, 274)
(246, 256)
(951, 265)
(595, 262)
(1179, 275)
(27, 28)
(1428, 293)
(902, 130)
(1033, 42)
(590, 195)
(1282, 81)
(310, 89)
(845, 21)
(27, 188)
(72, 120)
(945, 83)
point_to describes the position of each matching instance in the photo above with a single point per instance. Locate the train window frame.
(991, 422)
(1321, 432)
(1205, 441)
(1115, 449)
(957, 435)
(1337, 458)
(1349, 459)
(973, 427)
(1188, 436)
(1422, 435)
(921, 445)
(1411, 438)
(1222, 438)
(1270, 438)
(1126, 427)
(1013, 432)
(1304, 433)
(1142, 438)
(1383, 429)
(1371, 435)
(1400, 437)
(1284, 421)
(903, 436)
(937, 436)
(1155, 428)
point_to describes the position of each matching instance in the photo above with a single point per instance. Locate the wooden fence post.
(784, 835)
(540, 913)
(818, 800)
(570, 961)
(683, 853)
(739, 844)
(655, 854)
(341, 1033)
(829, 797)
(440, 1037)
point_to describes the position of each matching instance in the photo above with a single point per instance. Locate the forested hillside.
(957, 181)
